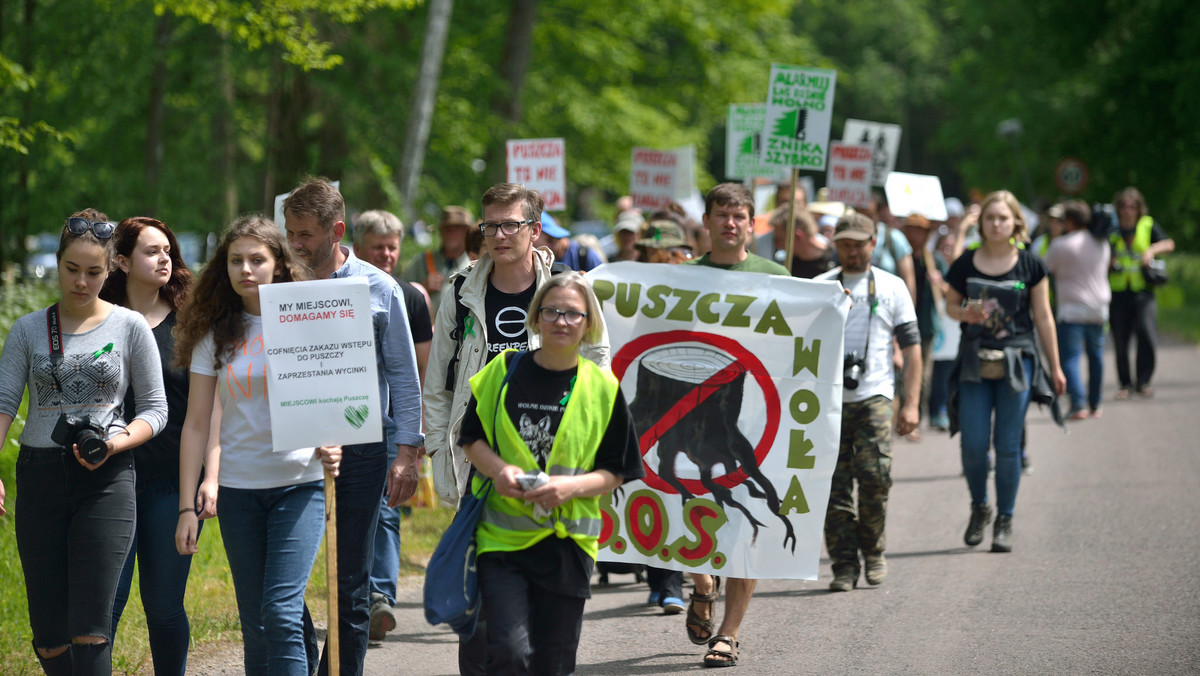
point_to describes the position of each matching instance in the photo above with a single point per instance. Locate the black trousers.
(530, 630)
(74, 529)
(1134, 314)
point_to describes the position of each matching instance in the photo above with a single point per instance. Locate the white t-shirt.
(894, 306)
(247, 460)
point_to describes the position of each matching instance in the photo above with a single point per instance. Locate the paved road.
(1102, 580)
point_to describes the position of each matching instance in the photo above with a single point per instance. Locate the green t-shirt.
(752, 263)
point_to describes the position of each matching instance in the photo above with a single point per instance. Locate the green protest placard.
(799, 116)
(743, 143)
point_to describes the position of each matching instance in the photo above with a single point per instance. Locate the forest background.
(194, 111)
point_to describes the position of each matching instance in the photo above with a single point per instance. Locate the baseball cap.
(629, 221)
(835, 209)
(917, 220)
(854, 226)
(954, 207)
(662, 234)
(552, 228)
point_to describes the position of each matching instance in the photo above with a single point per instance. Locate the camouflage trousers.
(865, 456)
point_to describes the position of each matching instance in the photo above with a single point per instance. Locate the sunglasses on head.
(101, 229)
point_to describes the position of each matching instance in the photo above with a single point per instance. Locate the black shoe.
(1026, 465)
(1002, 534)
(981, 516)
(844, 580)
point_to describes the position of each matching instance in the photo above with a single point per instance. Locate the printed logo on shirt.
(87, 380)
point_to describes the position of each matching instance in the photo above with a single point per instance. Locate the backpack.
(461, 314)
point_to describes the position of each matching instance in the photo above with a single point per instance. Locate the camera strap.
(872, 302)
(56, 347)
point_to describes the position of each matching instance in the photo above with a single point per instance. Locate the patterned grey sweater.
(93, 377)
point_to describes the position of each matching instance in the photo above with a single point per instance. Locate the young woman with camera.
(151, 278)
(537, 540)
(75, 508)
(1000, 293)
(272, 503)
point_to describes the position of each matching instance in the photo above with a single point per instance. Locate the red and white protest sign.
(658, 177)
(849, 178)
(539, 163)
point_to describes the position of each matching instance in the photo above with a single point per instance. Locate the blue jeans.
(271, 539)
(1073, 341)
(360, 482)
(164, 575)
(976, 403)
(939, 388)
(385, 567)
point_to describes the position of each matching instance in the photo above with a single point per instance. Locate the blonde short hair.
(568, 280)
(1020, 228)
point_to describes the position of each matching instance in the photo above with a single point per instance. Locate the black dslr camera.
(83, 431)
(852, 370)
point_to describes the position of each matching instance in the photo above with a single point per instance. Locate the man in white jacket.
(494, 295)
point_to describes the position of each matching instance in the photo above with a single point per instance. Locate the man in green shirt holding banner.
(728, 217)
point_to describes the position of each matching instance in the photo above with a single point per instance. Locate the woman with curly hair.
(272, 503)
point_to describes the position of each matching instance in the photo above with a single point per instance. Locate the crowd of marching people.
(147, 394)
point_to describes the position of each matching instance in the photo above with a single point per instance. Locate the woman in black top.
(151, 278)
(999, 292)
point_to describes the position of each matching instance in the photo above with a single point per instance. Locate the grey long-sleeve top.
(94, 378)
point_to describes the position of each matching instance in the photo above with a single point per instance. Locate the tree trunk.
(154, 125)
(274, 115)
(416, 137)
(225, 133)
(514, 64)
(22, 217)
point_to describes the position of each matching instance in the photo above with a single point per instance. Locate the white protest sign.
(540, 163)
(915, 194)
(658, 177)
(884, 140)
(743, 143)
(280, 198)
(321, 363)
(734, 382)
(799, 115)
(849, 178)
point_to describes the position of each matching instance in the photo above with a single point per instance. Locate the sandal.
(715, 657)
(694, 619)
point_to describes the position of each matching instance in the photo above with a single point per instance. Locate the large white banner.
(734, 382)
(799, 115)
(658, 177)
(884, 140)
(321, 363)
(540, 163)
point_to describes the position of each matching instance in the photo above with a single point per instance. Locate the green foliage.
(1179, 300)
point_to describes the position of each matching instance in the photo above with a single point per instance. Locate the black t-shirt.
(1005, 296)
(506, 314)
(157, 460)
(419, 323)
(535, 402)
(814, 267)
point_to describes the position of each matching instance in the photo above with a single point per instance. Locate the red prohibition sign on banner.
(742, 359)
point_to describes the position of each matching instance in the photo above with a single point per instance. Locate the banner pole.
(331, 575)
(791, 223)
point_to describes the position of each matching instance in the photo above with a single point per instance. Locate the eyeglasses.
(550, 315)
(102, 229)
(507, 227)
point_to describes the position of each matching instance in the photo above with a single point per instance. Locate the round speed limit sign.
(1071, 175)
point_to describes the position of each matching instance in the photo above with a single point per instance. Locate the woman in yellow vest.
(1133, 309)
(565, 417)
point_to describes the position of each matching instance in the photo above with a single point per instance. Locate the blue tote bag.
(451, 579)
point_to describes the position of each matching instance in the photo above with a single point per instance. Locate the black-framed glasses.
(550, 315)
(507, 227)
(101, 229)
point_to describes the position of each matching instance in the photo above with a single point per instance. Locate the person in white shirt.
(882, 310)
